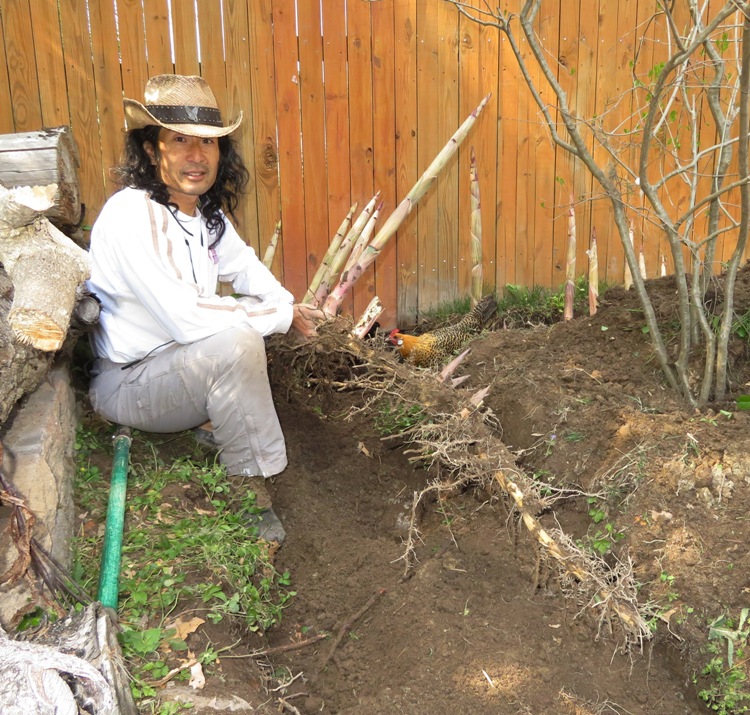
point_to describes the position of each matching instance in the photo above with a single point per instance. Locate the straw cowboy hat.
(184, 104)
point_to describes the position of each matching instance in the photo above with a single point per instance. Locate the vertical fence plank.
(384, 145)
(262, 84)
(584, 186)
(360, 126)
(619, 113)
(184, 22)
(338, 180)
(107, 79)
(79, 71)
(478, 67)
(239, 99)
(50, 65)
(565, 164)
(446, 191)
(523, 178)
(6, 106)
(158, 41)
(644, 62)
(602, 45)
(212, 50)
(542, 155)
(405, 24)
(508, 154)
(132, 44)
(290, 150)
(312, 101)
(24, 81)
(428, 145)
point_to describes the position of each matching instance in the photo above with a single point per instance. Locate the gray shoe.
(263, 517)
(268, 525)
(205, 437)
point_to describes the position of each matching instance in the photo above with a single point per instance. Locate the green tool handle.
(109, 578)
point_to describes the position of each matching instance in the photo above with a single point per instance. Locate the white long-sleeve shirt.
(152, 269)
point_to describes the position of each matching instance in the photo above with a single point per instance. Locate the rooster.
(436, 346)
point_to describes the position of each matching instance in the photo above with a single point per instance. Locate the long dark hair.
(137, 171)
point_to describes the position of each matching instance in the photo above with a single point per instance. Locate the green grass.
(178, 553)
(518, 306)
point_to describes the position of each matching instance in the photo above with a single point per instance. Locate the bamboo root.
(627, 613)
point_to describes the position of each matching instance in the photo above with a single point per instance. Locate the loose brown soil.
(480, 624)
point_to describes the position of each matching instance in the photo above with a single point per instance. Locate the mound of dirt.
(481, 623)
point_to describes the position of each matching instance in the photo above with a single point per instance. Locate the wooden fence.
(342, 98)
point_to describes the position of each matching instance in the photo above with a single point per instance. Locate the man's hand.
(305, 319)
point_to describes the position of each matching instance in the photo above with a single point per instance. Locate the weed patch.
(187, 554)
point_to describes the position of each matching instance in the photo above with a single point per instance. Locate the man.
(172, 353)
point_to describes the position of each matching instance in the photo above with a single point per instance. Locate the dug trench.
(478, 617)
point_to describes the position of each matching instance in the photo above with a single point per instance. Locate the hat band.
(181, 114)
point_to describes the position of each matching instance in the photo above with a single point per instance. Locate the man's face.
(186, 165)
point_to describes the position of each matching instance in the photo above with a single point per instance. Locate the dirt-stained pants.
(222, 378)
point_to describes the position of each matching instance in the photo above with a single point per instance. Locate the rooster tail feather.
(485, 308)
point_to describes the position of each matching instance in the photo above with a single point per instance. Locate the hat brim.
(137, 117)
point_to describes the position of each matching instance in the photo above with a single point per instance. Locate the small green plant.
(727, 692)
(395, 419)
(604, 538)
(176, 556)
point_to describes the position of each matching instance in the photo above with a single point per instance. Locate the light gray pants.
(222, 378)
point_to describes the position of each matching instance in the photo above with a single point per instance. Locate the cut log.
(41, 158)
(22, 367)
(45, 266)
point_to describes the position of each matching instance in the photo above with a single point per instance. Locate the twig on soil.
(351, 621)
(288, 706)
(171, 674)
(283, 648)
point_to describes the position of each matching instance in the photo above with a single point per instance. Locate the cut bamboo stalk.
(389, 228)
(663, 265)
(342, 254)
(371, 314)
(628, 282)
(270, 253)
(642, 264)
(324, 268)
(570, 263)
(364, 239)
(476, 234)
(450, 368)
(593, 274)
